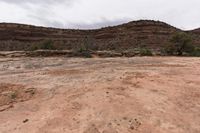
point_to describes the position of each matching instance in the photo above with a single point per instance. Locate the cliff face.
(151, 34)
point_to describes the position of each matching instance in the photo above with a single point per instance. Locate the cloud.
(36, 12)
(99, 13)
(103, 23)
(46, 21)
(36, 2)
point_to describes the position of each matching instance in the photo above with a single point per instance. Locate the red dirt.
(11, 93)
(113, 95)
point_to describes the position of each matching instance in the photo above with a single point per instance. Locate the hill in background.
(136, 34)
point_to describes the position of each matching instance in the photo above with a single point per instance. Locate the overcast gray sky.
(83, 14)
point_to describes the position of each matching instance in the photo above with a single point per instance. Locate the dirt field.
(113, 95)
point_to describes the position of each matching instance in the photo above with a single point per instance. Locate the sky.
(92, 14)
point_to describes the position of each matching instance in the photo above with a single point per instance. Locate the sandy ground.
(113, 95)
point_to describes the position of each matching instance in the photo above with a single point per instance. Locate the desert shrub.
(83, 48)
(47, 45)
(85, 54)
(13, 95)
(180, 43)
(145, 52)
(86, 47)
(196, 52)
(44, 45)
(33, 47)
(83, 51)
(131, 52)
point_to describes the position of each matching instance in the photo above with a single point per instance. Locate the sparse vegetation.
(47, 44)
(196, 52)
(33, 47)
(140, 51)
(86, 54)
(84, 49)
(180, 43)
(44, 45)
(128, 53)
(83, 53)
(145, 52)
(13, 95)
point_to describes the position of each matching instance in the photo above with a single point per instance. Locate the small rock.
(26, 120)
(132, 127)
(30, 90)
(125, 118)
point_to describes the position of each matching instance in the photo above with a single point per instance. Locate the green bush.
(145, 52)
(180, 43)
(44, 45)
(33, 47)
(196, 52)
(84, 49)
(82, 53)
(47, 45)
(85, 54)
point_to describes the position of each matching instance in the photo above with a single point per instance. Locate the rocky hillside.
(196, 31)
(144, 33)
